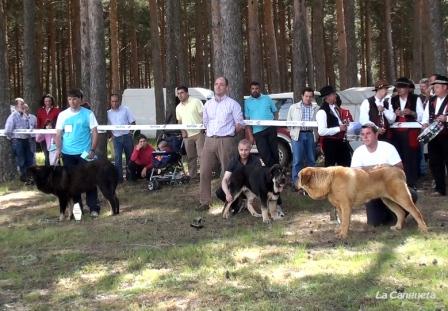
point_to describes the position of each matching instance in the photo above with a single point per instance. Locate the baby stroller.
(167, 162)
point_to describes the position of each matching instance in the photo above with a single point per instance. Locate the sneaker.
(94, 214)
(203, 207)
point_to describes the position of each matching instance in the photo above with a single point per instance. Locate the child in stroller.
(167, 162)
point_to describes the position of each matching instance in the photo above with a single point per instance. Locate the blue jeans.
(23, 154)
(126, 144)
(70, 162)
(302, 149)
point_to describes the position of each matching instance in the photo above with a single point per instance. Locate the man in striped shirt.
(222, 119)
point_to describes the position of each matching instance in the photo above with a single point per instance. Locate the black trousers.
(379, 214)
(135, 171)
(408, 154)
(337, 152)
(438, 161)
(266, 141)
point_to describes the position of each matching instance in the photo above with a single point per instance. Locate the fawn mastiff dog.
(346, 187)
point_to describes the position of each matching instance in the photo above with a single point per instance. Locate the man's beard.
(255, 95)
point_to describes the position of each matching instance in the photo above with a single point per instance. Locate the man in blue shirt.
(77, 134)
(261, 107)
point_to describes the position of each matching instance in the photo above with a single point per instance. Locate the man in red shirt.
(141, 160)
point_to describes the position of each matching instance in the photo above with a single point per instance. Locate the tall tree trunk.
(299, 49)
(85, 49)
(283, 45)
(254, 40)
(390, 61)
(342, 45)
(200, 45)
(438, 40)
(31, 89)
(133, 45)
(156, 62)
(318, 42)
(309, 50)
(428, 55)
(76, 42)
(51, 68)
(170, 82)
(416, 72)
(98, 92)
(232, 48)
(352, 51)
(368, 45)
(114, 48)
(217, 37)
(7, 166)
(271, 47)
(181, 43)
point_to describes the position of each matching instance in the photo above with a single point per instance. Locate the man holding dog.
(371, 153)
(222, 119)
(437, 110)
(122, 139)
(76, 140)
(261, 107)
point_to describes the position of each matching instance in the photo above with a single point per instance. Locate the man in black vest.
(437, 110)
(332, 130)
(378, 110)
(408, 107)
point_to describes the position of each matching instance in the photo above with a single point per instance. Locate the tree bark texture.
(7, 165)
(171, 61)
(76, 42)
(271, 48)
(390, 61)
(232, 48)
(85, 49)
(31, 87)
(438, 41)
(352, 51)
(217, 37)
(299, 49)
(318, 42)
(156, 62)
(114, 48)
(98, 92)
(254, 41)
(417, 57)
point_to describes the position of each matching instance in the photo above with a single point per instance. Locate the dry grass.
(149, 258)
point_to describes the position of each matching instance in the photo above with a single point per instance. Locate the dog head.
(315, 181)
(278, 177)
(44, 177)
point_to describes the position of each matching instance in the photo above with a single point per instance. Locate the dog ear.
(306, 176)
(275, 169)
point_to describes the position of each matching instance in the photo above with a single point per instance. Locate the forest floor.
(149, 258)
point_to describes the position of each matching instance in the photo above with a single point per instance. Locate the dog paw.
(267, 221)
(423, 229)
(61, 217)
(395, 228)
(256, 215)
(341, 236)
(225, 215)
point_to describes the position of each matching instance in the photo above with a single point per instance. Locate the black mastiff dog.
(263, 183)
(66, 183)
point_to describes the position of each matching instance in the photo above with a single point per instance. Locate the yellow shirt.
(190, 113)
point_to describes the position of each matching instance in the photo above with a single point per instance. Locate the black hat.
(403, 82)
(327, 90)
(440, 80)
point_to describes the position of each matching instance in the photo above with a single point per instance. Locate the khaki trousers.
(216, 150)
(193, 147)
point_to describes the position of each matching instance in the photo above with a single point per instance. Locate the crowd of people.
(219, 145)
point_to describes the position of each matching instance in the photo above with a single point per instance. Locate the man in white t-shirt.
(371, 153)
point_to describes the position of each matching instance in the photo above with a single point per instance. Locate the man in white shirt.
(378, 110)
(122, 139)
(371, 153)
(437, 110)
